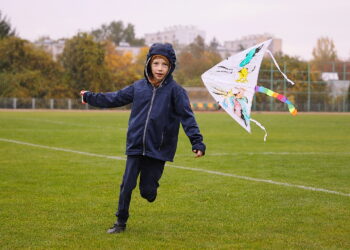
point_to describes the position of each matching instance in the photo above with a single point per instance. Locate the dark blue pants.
(150, 171)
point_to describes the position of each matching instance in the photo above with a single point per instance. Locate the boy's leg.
(131, 173)
(151, 172)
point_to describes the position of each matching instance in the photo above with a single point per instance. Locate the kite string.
(284, 75)
(260, 126)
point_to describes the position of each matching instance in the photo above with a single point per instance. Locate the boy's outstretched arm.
(108, 100)
(189, 124)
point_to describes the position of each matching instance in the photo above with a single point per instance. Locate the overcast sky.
(299, 23)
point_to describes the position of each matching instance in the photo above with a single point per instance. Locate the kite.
(233, 83)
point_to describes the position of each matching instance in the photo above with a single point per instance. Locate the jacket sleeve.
(111, 99)
(188, 121)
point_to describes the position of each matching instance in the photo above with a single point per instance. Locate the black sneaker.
(117, 228)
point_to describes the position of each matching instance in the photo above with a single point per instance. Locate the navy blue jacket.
(156, 113)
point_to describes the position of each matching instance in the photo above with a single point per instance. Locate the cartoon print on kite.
(250, 55)
(243, 75)
(244, 71)
(223, 69)
(235, 99)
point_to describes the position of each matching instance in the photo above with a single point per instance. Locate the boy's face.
(160, 68)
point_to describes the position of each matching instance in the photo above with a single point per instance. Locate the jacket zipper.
(150, 108)
(148, 114)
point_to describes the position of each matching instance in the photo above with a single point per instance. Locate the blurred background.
(50, 50)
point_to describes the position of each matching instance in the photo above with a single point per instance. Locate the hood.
(164, 49)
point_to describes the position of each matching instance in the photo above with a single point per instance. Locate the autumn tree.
(348, 99)
(26, 71)
(300, 72)
(271, 78)
(324, 50)
(324, 54)
(197, 48)
(123, 67)
(84, 62)
(5, 27)
(140, 60)
(193, 61)
(325, 59)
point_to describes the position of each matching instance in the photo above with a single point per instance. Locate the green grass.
(55, 199)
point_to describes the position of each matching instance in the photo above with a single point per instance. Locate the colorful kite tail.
(280, 97)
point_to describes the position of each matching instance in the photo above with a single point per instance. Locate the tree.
(326, 60)
(348, 99)
(300, 72)
(116, 33)
(324, 53)
(129, 36)
(214, 44)
(295, 69)
(197, 48)
(324, 50)
(26, 71)
(101, 34)
(5, 27)
(124, 71)
(84, 62)
(112, 32)
(193, 61)
(140, 60)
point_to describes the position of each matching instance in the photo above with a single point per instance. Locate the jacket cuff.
(199, 146)
(85, 95)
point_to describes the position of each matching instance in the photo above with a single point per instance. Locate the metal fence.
(325, 88)
(311, 93)
(313, 102)
(38, 103)
(200, 100)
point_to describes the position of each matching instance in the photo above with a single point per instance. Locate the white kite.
(233, 83)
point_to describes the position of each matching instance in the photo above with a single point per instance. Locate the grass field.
(51, 198)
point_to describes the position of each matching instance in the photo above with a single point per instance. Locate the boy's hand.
(198, 153)
(82, 96)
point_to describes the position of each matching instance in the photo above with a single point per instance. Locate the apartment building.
(245, 42)
(178, 35)
(54, 47)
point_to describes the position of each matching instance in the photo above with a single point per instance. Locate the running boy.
(159, 105)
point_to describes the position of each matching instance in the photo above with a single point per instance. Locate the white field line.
(271, 153)
(63, 149)
(184, 168)
(187, 155)
(68, 123)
